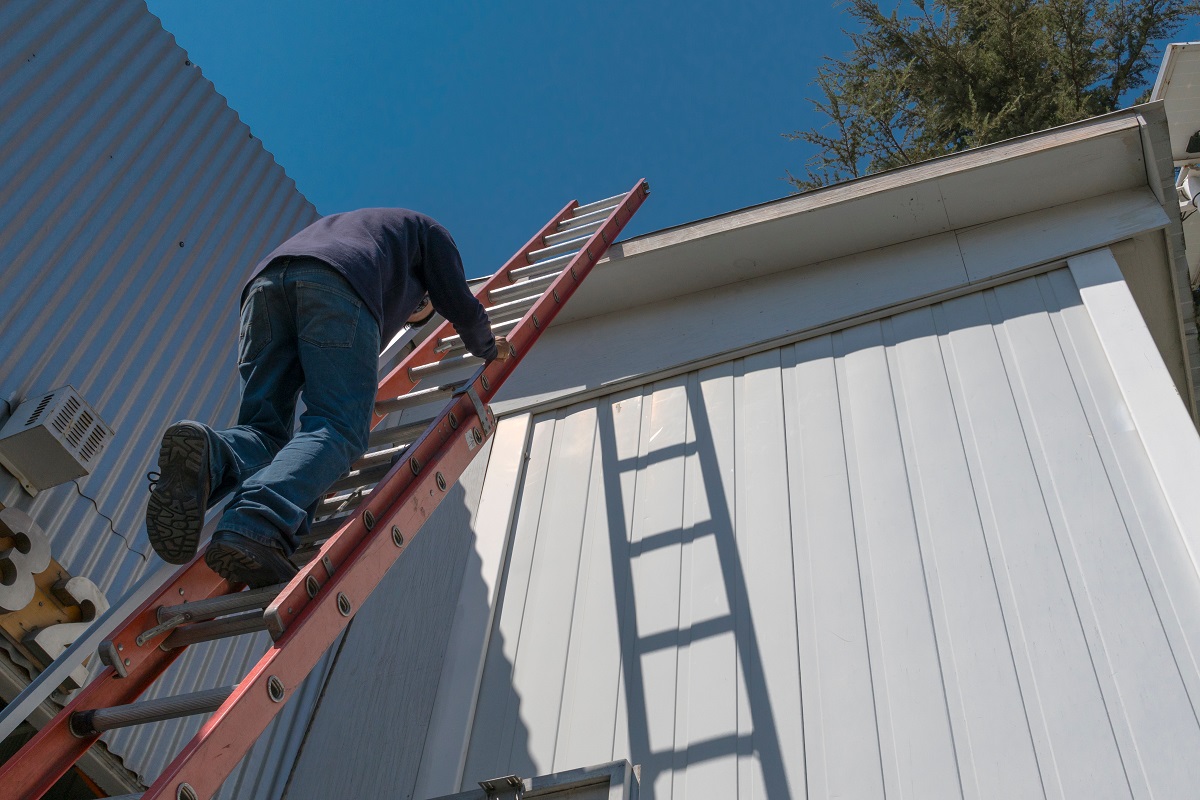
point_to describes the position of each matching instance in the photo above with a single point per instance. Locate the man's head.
(421, 314)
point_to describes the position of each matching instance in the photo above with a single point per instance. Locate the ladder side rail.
(315, 623)
(54, 749)
(546, 308)
(449, 426)
(404, 499)
(397, 381)
(355, 559)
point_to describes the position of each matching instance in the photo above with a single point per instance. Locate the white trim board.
(1157, 410)
(449, 730)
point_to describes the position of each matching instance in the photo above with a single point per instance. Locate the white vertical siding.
(918, 557)
(368, 734)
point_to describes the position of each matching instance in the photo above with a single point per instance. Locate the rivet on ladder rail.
(441, 482)
(343, 604)
(397, 537)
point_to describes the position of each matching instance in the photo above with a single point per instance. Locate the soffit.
(1035, 172)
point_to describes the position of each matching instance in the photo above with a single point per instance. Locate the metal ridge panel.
(134, 203)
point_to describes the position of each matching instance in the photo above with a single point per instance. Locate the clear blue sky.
(490, 116)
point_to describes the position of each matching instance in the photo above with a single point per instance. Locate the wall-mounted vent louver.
(51, 439)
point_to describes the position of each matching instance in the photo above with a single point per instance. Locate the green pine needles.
(948, 75)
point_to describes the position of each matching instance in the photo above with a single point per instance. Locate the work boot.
(179, 493)
(239, 559)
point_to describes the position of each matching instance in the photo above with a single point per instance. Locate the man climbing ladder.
(312, 314)
(367, 531)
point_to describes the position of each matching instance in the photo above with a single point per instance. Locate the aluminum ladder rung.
(569, 246)
(98, 720)
(389, 455)
(574, 233)
(511, 309)
(419, 398)
(611, 202)
(363, 477)
(449, 343)
(581, 220)
(555, 265)
(528, 295)
(518, 289)
(445, 365)
(404, 433)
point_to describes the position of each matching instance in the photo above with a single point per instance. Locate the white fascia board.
(1087, 159)
(1159, 413)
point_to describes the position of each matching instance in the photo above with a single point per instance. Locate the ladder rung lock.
(342, 502)
(223, 628)
(90, 723)
(414, 399)
(219, 606)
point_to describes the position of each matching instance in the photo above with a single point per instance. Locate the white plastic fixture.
(52, 438)
(1178, 86)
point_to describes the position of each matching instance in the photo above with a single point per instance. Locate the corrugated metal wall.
(132, 203)
(920, 557)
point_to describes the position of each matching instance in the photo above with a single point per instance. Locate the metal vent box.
(52, 438)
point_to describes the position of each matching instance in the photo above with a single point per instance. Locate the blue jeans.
(302, 328)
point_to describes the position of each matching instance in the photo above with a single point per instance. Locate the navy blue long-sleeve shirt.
(392, 256)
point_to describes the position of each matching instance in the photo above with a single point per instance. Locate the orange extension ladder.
(410, 467)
